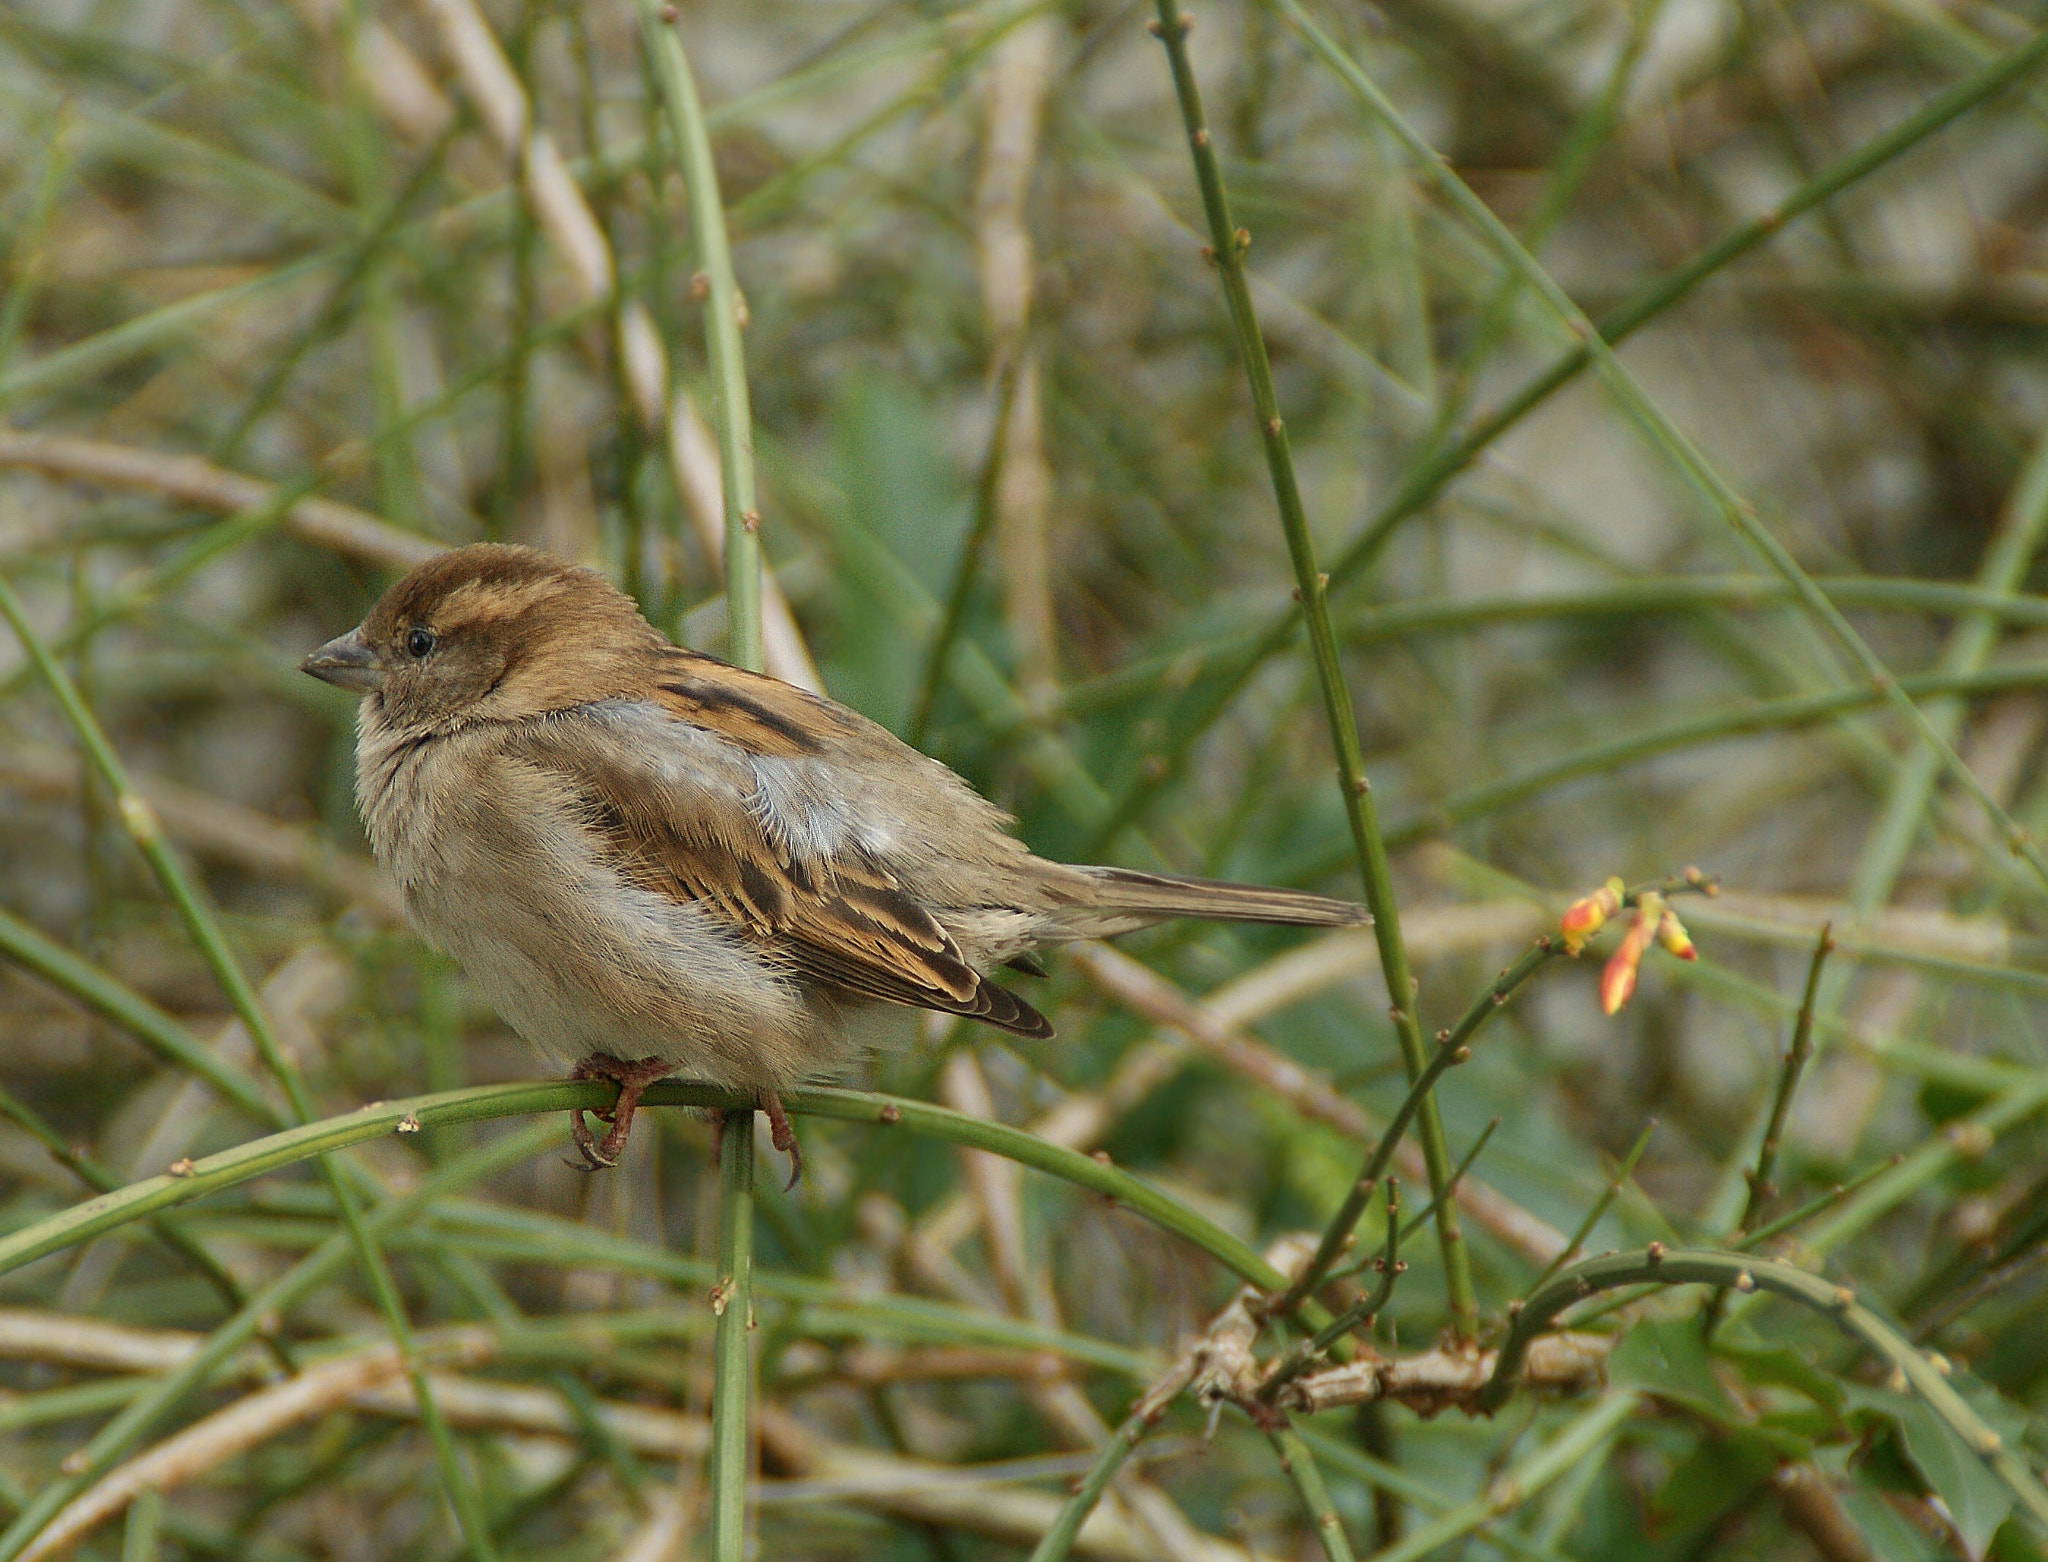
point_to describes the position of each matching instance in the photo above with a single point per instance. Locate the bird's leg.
(632, 1080)
(783, 1137)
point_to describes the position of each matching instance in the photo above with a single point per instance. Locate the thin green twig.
(1451, 1050)
(1761, 1188)
(967, 566)
(1817, 1205)
(166, 1230)
(1228, 243)
(1581, 1440)
(480, 1103)
(1749, 716)
(1300, 1467)
(122, 1006)
(733, 421)
(724, 318)
(1423, 1216)
(145, 1522)
(732, 1299)
(1600, 1207)
(1304, 1354)
(1362, 624)
(1058, 1541)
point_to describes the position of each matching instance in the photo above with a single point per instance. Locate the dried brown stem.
(340, 527)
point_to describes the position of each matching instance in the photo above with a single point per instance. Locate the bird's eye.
(419, 642)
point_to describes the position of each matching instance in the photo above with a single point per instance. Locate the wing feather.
(843, 920)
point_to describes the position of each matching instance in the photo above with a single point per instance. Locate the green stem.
(1562, 183)
(732, 412)
(171, 1233)
(1676, 1266)
(732, 1299)
(1343, 1454)
(479, 1231)
(1300, 1467)
(1416, 1222)
(1797, 710)
(1304, 1354)
(2001, 572)
(25, 258)
(733, 421)
(1451, 1050)
(1057, 1542)
(961, 592)
(1142, 678)
(1931, 1159)
(1228, 243)
(122, 1006)
(1817, 1205)
(145, 1523)
(1600, 1207)
(1760, 1188)
(480, 1103)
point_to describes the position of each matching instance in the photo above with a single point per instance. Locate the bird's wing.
(838, 917)
(751, 711)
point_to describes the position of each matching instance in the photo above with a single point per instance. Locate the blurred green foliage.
(254, 257)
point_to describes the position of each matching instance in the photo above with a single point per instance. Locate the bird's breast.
(500, 869)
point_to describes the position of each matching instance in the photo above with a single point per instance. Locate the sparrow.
(652, 862)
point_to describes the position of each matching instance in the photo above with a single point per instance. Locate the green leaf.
(1977, 1500)
(1890, 1536)
(1720, 1475)
(2012, 1543)
(1666, 1357)
(1784, 1367)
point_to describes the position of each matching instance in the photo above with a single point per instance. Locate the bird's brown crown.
(496, 631)
(490, 586)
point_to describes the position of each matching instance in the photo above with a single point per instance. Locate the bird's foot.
(783, 1137)
(632, 1080)
(780, 1134)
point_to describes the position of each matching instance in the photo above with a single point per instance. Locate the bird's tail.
(1125, 900)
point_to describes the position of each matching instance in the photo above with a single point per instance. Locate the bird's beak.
(347, 663)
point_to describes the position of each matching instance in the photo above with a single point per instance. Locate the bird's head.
(490, 632)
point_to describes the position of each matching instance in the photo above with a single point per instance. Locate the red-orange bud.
(1618, 981)
(1618, 978)
(1672, 935)
(1588, 914)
